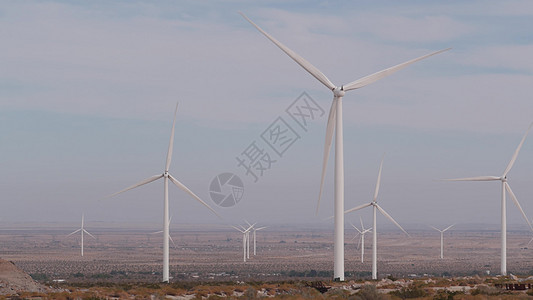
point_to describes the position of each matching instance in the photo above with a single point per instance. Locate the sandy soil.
(208, 254)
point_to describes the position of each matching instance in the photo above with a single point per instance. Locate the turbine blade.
(436, 228)
(355, 228)
(359, 242)
(508, 188)
(172, 241)
(251, 226)
(297, 58)
(260, 228)
(171, 143)
(74, 232)
(515, 155)
(384, 73)
(148, 180)
(478, 178)
(157, 232)
(531, 240)
(448, 227)
(390, 218)
(238, 229)
(185, 189)
(357, 208)
(362, 226)
(327, 147)
(89, 234)
(379, 179)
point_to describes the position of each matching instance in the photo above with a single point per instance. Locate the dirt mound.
(13, 280)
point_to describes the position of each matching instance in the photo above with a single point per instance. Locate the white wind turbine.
(82, 230)
(253, 232)
(442, 239)
(169, 236)
(166, 176)
(376, 207)
(245, 240)
(335, 123)
(362, 232)
(505, 187)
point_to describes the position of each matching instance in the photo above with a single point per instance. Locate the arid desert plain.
(212, 252)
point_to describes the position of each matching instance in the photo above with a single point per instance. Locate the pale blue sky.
(87, 92)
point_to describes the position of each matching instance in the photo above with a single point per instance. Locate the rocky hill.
(13, 280)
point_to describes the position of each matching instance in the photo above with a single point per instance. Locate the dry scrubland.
(120, 258)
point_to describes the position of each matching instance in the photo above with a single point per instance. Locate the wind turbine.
(82, 230)
(362, 239)
(169, 236)
(505, 187)
(376, 207)
(335, 123)
(245, 240)
(166, 176)
(253, 231)
(442, 239)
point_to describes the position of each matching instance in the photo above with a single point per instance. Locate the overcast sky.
(88, 89)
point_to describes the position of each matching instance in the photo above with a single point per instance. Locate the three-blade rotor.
(338, 91)
(172, 179)
(375, 202)
(503, 177)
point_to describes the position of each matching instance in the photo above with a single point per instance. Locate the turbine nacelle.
(339, 92)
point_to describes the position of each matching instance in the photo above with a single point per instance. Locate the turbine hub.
(165, 174)
(339, 91)
(504, 179)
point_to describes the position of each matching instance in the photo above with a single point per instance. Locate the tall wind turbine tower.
(335, 124)
(166, 177)
(442, 239)
(505, 187)
(82, 230)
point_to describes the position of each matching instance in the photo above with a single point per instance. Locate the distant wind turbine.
(245, 240)
(82, 230)
(169, 236)
(254, 234)
(505, 187)
(362, 233)
(166, 176)
(376, 207)
(335, 123)
(442, 239)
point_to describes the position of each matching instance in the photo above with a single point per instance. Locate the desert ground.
(212, 253)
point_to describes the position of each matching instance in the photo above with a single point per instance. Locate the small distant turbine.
(253, 232)
(505, 187)
(82, 230)
(376, 207)
(245, 240)
(362, 239)
(442, 239)
(334, 125)
(169, 236)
